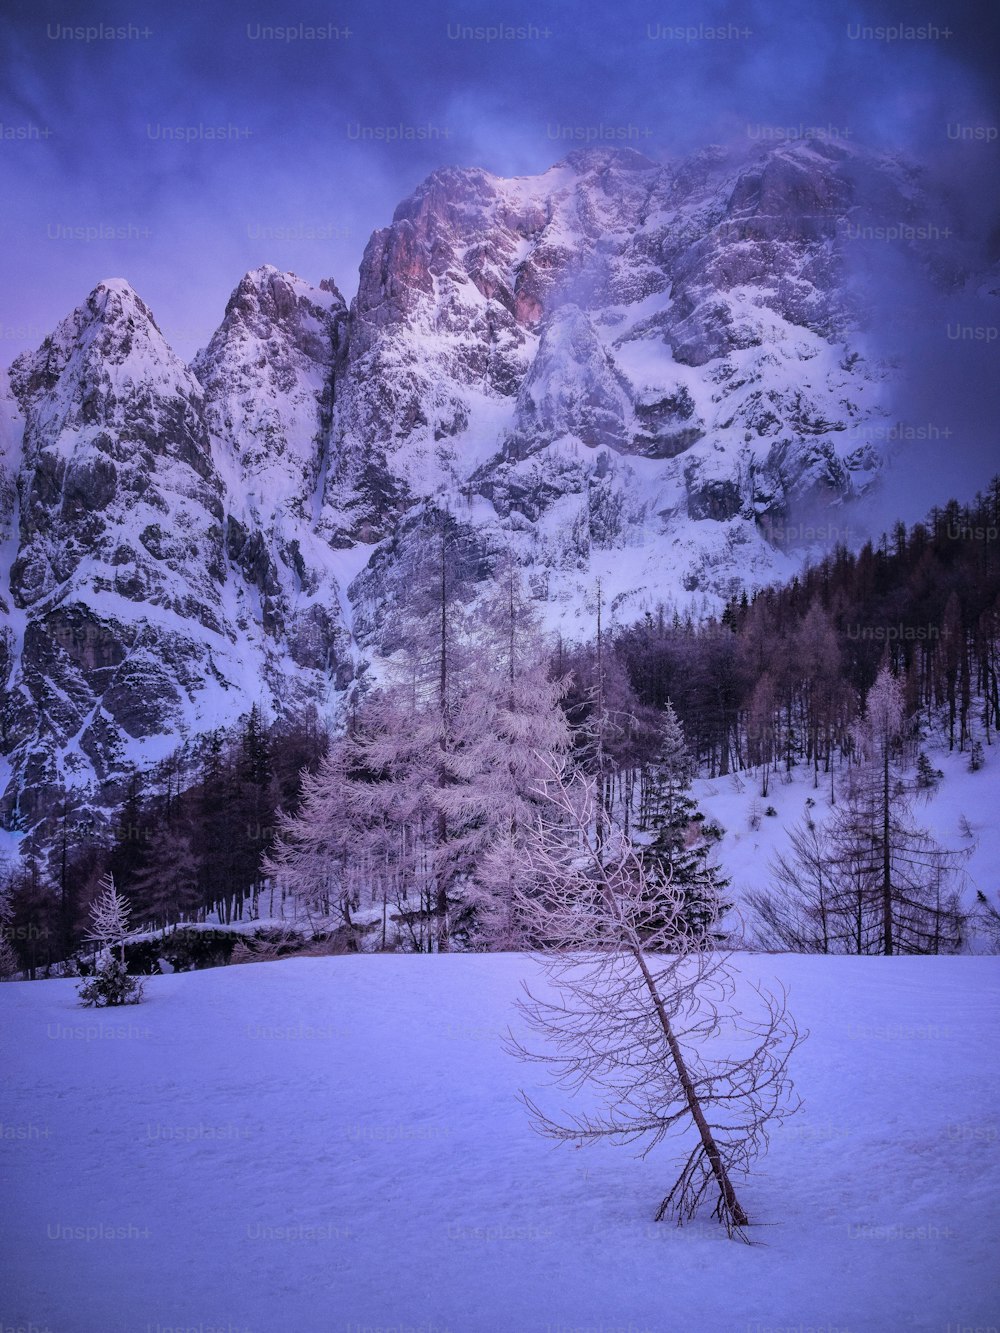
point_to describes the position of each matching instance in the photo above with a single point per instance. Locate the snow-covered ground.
(334, 1144)
(746, 853)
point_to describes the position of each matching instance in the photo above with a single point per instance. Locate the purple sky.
(84, 150)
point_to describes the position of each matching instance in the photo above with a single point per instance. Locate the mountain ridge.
(616, 369)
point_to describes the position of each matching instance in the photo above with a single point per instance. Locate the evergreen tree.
(110, 983)
(130, 853)
(219, 840)
(34, 922)
(670, 771)
(677, 862)
(928, 776)
(256, 805)
(9, 963)
(166, 889)
(109, 917)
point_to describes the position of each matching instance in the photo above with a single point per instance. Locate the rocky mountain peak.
(615, 368)
(592, 160)
(267, 375)
(112, 338)
(267, 300)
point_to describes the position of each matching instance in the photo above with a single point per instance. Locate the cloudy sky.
(113, 163)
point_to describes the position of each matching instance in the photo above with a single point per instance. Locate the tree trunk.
(728, 1194)
(886, 854)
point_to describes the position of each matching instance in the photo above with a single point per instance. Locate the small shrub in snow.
(927, 775)
(771, 812)
(976, 757)
(110, 985)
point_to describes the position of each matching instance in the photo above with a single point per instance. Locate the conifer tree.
(130, 853)
(9, 963)
(677, 862)
(423, 803)
(109, 917)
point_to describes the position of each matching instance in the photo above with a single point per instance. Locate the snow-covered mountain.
(616, 368)
(163, 573)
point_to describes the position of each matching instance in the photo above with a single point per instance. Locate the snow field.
(334, 1144)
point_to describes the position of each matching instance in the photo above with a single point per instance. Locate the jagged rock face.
(120, 530)
(162, 522)
(435, 335)
(615, 369)
(114, 423)
(622, 357)
(572, 388)
(268, 376)
(671, 313)
(11, 432)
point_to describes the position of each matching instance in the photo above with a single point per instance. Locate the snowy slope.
(329, 1143)
(746, 853)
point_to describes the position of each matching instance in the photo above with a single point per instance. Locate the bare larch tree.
(638, 994)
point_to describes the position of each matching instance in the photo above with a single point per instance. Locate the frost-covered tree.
(110, 983)
(109, 917)
(669, 772)
(421, 804)
(637, 1000)
(517, 725)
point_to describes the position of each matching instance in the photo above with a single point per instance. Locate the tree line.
(410, 826)
(186, 844)
(779, 678)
